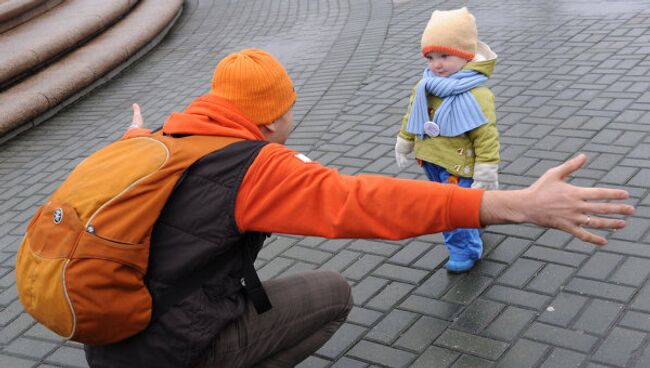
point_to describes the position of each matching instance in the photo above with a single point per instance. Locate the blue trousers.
(461, 243)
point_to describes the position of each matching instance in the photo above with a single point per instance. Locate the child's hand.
(486, 176)
(402, 148)
(487, 185)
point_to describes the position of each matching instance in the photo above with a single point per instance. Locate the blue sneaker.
(460, 266)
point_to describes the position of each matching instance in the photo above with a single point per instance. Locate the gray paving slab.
(572, 76)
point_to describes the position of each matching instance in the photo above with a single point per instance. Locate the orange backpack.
(80, 268)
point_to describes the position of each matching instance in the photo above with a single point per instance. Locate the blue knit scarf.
(458, 113)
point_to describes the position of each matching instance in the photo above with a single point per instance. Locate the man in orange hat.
(220, 212)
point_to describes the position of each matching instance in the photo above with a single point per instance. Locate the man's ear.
(271, 128)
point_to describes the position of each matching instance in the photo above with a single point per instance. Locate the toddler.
(451, 121)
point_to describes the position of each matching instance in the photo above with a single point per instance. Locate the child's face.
(444, 65)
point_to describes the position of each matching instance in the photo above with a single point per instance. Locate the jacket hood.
(212, 115)
(484, 60)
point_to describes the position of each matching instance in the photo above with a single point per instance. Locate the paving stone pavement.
(572, 76)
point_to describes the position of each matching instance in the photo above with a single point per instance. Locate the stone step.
(26, 48)
(41, 95)
(16, 12)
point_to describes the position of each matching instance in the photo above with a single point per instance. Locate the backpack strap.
(251, 281)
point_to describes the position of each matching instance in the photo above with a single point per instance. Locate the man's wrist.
(502, 207)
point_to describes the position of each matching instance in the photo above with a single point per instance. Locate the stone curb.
(40, 96)
(16, 12)
(26, 48)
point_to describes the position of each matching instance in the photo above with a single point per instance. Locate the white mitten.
(402, 148)
(486, 176)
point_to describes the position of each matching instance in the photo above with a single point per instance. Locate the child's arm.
(403, 133)
(485, 140)
(405, 140)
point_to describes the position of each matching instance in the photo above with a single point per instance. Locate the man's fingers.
(608, 208)
(137, 121)
(604, 223)
(593, 222)
(603, 194)
(569, 167)
(585, 235)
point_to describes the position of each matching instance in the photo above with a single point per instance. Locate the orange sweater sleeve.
(282, 193)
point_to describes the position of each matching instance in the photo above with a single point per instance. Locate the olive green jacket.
(459, 154)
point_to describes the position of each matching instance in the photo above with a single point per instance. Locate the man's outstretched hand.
(137, 121)
(551, 202)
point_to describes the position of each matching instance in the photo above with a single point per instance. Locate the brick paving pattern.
(572, 76)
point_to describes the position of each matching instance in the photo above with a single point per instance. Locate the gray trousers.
(307, 309)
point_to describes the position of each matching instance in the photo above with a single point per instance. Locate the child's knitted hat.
(256, 83)
(451, 32)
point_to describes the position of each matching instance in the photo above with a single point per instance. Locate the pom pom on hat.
(256, 83)
(451, 32)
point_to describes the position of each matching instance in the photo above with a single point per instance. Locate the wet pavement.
(572, 76)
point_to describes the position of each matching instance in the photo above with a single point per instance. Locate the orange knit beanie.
(256, 83)
(451, 32)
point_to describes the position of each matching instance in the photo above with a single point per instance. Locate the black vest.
(195, 243)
